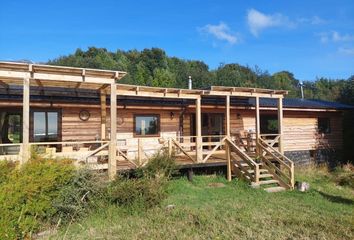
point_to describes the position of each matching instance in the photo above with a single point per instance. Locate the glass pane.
(52, 126)
(39, 133)
(146, 125)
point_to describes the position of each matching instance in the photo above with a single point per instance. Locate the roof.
(303, 103)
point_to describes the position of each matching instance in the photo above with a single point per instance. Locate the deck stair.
(268, 169)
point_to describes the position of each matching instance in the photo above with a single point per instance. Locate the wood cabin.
(256, 133)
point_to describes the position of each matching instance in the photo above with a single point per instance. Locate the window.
(10, 127)
(146, 125)
(45, 126)
(324, 125)
(269, 124)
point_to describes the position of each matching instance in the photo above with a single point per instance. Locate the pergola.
(105, 81)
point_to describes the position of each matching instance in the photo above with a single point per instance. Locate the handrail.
(248, 160)
(278, 173)
(276, 151)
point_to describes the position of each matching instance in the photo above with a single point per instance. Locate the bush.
(26, 195)
(160, 165)
(142, 192)
(83, 192)
(344, 175)
(6, 168)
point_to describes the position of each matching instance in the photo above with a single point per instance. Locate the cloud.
(346, 51)
(258, 21)
(335, 36)
(315, 20)
(221, 32)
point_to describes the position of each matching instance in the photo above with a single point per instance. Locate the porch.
(243, 154)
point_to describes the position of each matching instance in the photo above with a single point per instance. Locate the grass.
(235, 211)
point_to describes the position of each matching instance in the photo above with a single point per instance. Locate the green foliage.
(159, 166)
(152, 67)
(6, 168)
(137, 192)
(26, 195)
(85, 191)
(234, 211)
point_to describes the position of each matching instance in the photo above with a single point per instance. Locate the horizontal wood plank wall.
(74, 129)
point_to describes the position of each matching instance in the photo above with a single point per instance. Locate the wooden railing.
(250, 163)
(271, 139)
(279, 165)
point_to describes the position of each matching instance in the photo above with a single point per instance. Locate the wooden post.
(280, 125)
(112, 160)
(228, 134)
(140, 152)
(258, 128)
(198, 121)
(25, 121)
(228, 160)
(169, 147)
(227, 114)
(103, 114)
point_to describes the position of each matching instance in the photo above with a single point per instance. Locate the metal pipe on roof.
(190, 82)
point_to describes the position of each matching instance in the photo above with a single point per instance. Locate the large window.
(146, 125)
(45, 126)
(324, 125)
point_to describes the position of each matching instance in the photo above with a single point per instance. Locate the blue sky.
(309, 38)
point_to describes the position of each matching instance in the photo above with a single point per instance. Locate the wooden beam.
(198, 122)
(112, 159)
(280, 125)
(258, 127)
(25, 121)
(227, 116)
(228, 161)
(103, 114)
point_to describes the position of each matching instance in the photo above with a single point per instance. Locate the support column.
(103, 114)
(198, 122)
(258, 127)
(25, 121)
(227, 116)
(112, 159)
(280, 125)
(228, 134)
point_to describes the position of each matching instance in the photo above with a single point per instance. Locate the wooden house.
(86, 115)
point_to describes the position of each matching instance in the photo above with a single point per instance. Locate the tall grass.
(235, 211)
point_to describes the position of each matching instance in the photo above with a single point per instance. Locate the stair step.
(274, 189)
(268, 182)
(260, 170)
(266, 175)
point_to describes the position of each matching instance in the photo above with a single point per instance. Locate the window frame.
(147, 115)
(46, 110)
(328, 120)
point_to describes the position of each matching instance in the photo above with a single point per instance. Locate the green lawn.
(235, 211)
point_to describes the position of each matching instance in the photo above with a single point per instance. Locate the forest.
(153, 67)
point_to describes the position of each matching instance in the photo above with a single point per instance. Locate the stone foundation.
(320, 156)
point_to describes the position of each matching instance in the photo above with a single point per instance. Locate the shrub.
(6, 168)
(142, 192)
(344, 175)
(26, 196)
(84, 191)
(160, 165)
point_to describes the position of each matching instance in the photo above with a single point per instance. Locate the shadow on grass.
(336, 199)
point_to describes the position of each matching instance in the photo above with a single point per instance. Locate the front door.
(212, 127)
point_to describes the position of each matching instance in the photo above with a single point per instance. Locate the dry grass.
(232, 212)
